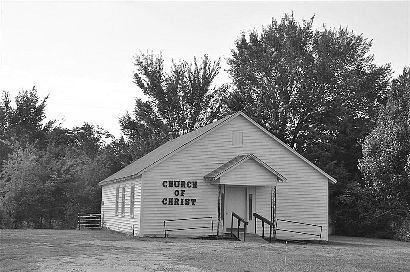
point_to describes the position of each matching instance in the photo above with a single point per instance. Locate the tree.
(177, 102)
(386, 160)
(319, 91)
(28, 197)
(25, 123)
(49, 173)
(48, 187)
(90, 138)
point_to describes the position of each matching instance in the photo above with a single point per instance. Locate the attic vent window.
(237, 138)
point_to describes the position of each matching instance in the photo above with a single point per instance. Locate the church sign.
(180, 187)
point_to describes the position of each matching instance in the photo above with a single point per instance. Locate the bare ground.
(73, 250)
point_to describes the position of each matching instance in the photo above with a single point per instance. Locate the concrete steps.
(252, 238)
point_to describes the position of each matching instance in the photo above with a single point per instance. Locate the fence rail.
(168, 229)
(299, 223)
(89, 221)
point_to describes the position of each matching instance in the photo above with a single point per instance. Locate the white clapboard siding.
(249, 172)
(302, 198)
(154, 212)
(308, 206)
(122, 223)
(263, 206)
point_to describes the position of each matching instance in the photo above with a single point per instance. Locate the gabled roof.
(235, 162)
(136, 168)
(329, 178)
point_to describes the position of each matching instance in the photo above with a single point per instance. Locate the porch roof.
(235, 162)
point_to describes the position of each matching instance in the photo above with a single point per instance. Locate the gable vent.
(237, 138)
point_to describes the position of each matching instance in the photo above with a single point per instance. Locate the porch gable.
(245, 170)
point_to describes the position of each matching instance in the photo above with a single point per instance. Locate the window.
(117, 195)
(132, 193)
(237, 138)
(123, 202)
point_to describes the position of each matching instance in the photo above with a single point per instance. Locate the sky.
(80, 53)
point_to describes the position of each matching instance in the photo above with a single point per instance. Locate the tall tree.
(177, 102)
(23, 123)
(49, 173)
(319, 91)
(386, 160)
(47, 187)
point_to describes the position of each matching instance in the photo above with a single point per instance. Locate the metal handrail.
(258, 216)
(265, 221)
(240, 219)
(188, 228)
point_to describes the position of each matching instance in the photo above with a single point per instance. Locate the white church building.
(232, 168)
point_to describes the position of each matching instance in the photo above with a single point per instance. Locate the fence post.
(263, 229)
(270, 233)
(231, 224)
(165, 231)
(255, 224)
(239, 224)
(212, 226)
(274, 231)
(78, 221)
(244, 232)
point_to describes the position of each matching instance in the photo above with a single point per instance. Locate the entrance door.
(242, 201)
(235, 201)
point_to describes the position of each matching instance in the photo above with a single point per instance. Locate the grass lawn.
(73, 250)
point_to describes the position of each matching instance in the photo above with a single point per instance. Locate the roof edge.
(228, 117)
(110, 181)
(242, 160)
(330, 178)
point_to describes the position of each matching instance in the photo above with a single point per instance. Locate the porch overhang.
(215, 175)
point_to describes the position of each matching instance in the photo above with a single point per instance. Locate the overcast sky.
(81, 53)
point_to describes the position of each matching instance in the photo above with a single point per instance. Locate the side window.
(237, 138)
(117, 196)
(123, 201)
(132, 195)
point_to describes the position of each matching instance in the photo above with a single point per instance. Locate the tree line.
(318, 90)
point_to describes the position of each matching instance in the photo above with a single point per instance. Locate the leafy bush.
(402, 230)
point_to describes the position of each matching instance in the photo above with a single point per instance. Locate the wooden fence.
(89, 221)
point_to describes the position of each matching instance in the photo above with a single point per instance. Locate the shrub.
(402, 230)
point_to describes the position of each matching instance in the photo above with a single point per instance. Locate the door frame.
(250, 190)
(250, 208)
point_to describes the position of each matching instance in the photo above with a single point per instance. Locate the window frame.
(123, 201)
(117, 199)
(132, 200)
